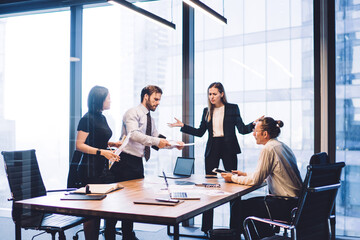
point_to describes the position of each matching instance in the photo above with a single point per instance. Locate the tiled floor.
(143, 232)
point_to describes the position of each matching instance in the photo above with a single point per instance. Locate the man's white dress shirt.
(134, 122)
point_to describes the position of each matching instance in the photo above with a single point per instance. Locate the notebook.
(180, 195)
(83, 197)
(183, 168)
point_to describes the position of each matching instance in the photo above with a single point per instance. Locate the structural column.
(188, 75)
(75, 73)
(325, 83)
(188, 81)
(324, 77)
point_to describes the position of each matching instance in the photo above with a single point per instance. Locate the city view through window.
(263, 57)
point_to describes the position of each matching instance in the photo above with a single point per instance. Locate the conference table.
(120, 204)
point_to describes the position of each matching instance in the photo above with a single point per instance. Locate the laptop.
(183, 168)
(179, 195)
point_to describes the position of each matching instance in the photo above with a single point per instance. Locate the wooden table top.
(119, 204)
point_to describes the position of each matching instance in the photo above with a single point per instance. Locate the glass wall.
(264, 58)
(348, 114)
(34, 93)
(124, 52)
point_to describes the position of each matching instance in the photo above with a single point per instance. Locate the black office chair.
(25, 182)
(73, 180)
(323, 158)
(317, 158)
(316, 201)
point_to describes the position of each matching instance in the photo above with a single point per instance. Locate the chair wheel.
(75, 237)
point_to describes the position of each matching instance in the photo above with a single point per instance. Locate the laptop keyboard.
(178, 195)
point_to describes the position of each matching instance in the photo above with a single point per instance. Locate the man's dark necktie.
(148, 132)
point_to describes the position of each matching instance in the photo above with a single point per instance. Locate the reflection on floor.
(143, 232)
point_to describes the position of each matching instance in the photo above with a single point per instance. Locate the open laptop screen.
(184, 166)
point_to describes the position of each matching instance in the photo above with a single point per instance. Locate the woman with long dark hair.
(93, 134)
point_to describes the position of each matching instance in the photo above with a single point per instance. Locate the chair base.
(223, 234)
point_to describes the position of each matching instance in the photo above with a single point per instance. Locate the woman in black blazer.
(220, 119)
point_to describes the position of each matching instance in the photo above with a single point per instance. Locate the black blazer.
(232, 119)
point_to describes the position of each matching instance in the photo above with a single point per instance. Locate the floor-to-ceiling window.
(124, 52)
(34, 93)
(264, 58)
(348, 115)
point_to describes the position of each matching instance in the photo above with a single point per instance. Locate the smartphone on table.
(217, 170)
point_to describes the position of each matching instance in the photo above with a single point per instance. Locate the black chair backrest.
(73, 180)
(317, 200)
(319, 158)
(23, 173)
(25, 182)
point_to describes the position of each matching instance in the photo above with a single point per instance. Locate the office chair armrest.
(293, 212)
(251, 220)
(268, 221)
(62, 190)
